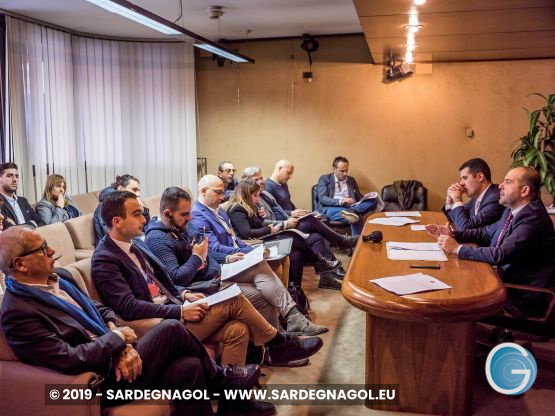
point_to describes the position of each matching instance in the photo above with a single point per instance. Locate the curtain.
(92, 109)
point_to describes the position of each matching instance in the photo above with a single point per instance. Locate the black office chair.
(419, 198)
(337, 226)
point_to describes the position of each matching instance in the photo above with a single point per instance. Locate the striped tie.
(504, 230)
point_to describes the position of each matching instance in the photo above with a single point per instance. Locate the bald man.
(276, 185)
(520, 244)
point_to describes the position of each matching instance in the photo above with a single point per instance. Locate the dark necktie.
(504, 230)
(150, 277)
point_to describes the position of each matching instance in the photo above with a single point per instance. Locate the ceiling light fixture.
(138, 14)
(419, 2)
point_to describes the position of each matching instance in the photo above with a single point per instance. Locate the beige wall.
(257, 114)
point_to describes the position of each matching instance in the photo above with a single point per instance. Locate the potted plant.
(537, 147)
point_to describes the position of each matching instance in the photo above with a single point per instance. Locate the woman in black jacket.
(312, 248)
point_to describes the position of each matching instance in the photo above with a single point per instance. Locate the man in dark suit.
(340, 199)
(520, 244)
(50, 323)
(136, 285)
(15, 209)
(484, 207)
(226, 172)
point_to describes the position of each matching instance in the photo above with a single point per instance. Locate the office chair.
(391, 202)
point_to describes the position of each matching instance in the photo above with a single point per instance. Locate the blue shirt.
(281, 194)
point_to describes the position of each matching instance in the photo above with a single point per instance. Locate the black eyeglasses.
(217, 191)
(229, 170)
(43, 247)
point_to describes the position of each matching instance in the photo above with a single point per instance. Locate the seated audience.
(340, 199)
(188, 262)
(520, 244)
(226, 173)
(276, 185)
(135, 284)
(49, 322)
(484, 207)
(55, 206)
(242, 211)
(15, 209)
(122, 183)
(2, 275)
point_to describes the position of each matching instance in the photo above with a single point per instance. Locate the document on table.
(232, 269)
(411, 283)
(221, 296)
(418, 227)
(395, 221)
(402, 214)
(414, 251)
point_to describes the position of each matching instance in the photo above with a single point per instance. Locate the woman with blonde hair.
(55, 206)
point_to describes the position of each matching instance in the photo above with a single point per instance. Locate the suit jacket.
(247, 227)
(28, 213)
(489, 211)
(43, 335)
(50, 213)
(122, 285)
(525, 255)
(277, 212)
(218, 238)
(326, 190)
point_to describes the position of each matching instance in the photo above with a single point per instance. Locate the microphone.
(374, 236)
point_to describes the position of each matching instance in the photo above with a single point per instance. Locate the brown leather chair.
(59, 239)
(81, 230)
(153, 204)
(391, 201)
(86, 203)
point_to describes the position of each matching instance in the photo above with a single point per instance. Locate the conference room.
(404, 149)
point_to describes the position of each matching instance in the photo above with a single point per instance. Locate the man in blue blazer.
(339, 196)
(520, 244)
(15, 209)
(484, 207)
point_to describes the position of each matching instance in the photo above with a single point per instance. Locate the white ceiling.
(264, 18)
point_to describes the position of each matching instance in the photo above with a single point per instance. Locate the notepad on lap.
(221, 296)
(250, 259)
(412, 283)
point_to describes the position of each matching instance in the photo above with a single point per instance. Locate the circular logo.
(511, 369)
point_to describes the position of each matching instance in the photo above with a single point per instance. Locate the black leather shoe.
(340, 272)
(330, 280)
(325, 265)
(241, 377)
(245, 408)
(293, 348)
(350, 241)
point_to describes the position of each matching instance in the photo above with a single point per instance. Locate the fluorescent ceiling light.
(133, 15)
(218, 51)
(138, 14)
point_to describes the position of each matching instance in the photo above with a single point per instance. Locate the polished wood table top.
(477, 290)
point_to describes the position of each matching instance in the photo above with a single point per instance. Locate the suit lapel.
(9, 210)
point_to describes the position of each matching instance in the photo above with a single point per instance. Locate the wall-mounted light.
(138, 14)
(419, 2)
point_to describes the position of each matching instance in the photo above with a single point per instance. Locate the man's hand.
(454, 192)
(347, 202)
(291, 223)
(127, 334)
(191, 297)
(201, 249)
(232, 258)
(448, 244)
(298, 212)
(437, 230)
(194, 312)
(129, 365)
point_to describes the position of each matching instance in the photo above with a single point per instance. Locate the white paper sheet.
(398, 245)
(232, 269)
(414, 251)
(418, 227)
(223, 295)
(402, 214)
(412, 283)
(394, 221)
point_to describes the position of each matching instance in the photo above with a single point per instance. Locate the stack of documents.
(403, 214)
(414, 251)
(411, 283)
(395, 221)
(223, 295)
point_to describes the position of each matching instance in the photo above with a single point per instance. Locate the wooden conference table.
(423, 342)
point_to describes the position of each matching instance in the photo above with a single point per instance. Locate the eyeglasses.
(217, 191)
(43, 247)
(229, 170)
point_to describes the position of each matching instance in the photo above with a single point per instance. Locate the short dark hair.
(221, 165)
(114, 206)
(476, 166)
(338, 160)
(532, 179)
(171, 197)
(5, 166)
(123, 180)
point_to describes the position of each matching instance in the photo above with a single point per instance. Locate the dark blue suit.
(524, 256)
(29, 213)
(218, 238)
(489, 211)
(326, 190)
(122, 286)
(281, 194)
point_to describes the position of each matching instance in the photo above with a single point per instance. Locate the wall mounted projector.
(397, 72)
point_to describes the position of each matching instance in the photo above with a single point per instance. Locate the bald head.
(283, 171)
(211, 191)
(14, 242)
